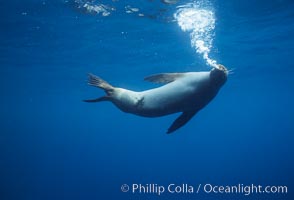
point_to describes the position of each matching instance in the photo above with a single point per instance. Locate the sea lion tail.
(106, 98)
(100, 83)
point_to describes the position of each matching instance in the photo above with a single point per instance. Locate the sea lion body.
(183, 92)
(177, 96)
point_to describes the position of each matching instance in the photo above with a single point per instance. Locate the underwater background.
(54, 146)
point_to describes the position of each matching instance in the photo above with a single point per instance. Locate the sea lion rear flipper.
(181, 121)
(163, 78)
(100, 83)
(106, 98)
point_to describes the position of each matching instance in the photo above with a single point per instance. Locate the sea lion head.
(219, 75)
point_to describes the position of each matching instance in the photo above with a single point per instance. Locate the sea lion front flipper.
(181, 121)
(163, 78)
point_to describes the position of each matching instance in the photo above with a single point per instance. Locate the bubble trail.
(200, 23)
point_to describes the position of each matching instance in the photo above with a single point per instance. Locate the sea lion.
(182, 92)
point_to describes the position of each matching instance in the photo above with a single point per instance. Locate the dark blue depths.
(54, 146)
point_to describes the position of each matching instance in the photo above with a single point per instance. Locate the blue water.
(54, 146)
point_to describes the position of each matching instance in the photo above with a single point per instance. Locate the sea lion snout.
(219, 75)
(222, 68)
